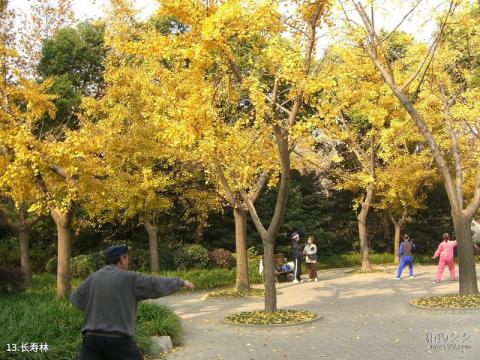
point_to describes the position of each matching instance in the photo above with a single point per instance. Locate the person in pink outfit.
(445, 251)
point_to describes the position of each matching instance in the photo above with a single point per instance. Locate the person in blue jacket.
(405, 254)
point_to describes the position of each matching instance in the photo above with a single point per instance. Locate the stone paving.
(365, 316)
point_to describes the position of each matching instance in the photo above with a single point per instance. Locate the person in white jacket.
(310, 252)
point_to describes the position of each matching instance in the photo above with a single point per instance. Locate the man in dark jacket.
(297, 254)
(109, 298)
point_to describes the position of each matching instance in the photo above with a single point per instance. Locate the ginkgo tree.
(187, 87)
(275, 79)
(355, 109)
(402, 185)
(132, 150)
(440, 94)
(13, 213)
(48, 164)
(29, 164)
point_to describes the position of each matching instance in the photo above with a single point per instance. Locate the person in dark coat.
(297, 254)
(109, 298)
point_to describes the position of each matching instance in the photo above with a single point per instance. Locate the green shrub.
(51, 266)
(221, 258)
(204, 278)
(9, 254)
(82, 266)
(158, 320)
(12, 280)
(36, 316)
(191, 257)
(253, 266)
(39, 256)
(166, 257)
(138, 259)
(284, 249)
(97, 259)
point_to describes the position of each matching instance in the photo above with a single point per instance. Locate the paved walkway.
(365, 316)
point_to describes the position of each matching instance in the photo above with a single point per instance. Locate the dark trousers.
(106, 348)
(298, 268)
(312, 270)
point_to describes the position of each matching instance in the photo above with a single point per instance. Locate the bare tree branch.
(431, 51)
(226, 187)
(454, 146)
(475, 204)
(253, 214)
(402, 21)
(262, 181)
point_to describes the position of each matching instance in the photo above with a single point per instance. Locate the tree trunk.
(198, 233)
(64, 236)
(466, 259)
(270, 289)
(242, 282)
(362, 228)
(398, 227)
(396, 242)
(24, 256)
(386, 234)
(152, 231)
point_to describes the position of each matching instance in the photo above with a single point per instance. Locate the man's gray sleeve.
(152, 287)
(79, 296)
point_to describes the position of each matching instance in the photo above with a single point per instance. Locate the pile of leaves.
(360, 271)
(232, 293)
(449, 301)
(276, 318)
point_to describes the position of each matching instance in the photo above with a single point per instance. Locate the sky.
(388, 13)
(93, 9)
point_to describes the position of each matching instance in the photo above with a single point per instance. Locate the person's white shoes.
(316, 279)
(295, 281)
(410, 277)
(435, 282)
(397, 278)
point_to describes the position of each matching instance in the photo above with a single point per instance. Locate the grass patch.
(232, 293)
(37, 317)
(206, 279)
(449, 301)
(355, 260)
(277, 318)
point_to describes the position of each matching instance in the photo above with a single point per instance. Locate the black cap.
(115, 251)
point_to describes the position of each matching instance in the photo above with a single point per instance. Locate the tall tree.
(431, 94)
(355, 110)
(74, 59)
(49, 163)
(15, 94)
(132, 149)
(276, 82)
(402, 186)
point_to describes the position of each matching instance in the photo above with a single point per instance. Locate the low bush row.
(184, 258)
